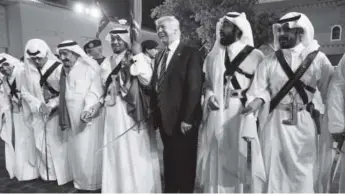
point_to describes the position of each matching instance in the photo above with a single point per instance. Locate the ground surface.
(8, 185)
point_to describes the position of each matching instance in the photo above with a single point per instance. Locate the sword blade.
(248, 178)
(124, 133)
(13, 128)
(336, 166)
(46, 146)
(335, 163)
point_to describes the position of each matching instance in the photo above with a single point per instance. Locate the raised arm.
(142, 69)
(33, 102)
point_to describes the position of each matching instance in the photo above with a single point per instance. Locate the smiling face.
(289, 37)
(6, 69)
(117, 44)
(68, 58)
(167, 32)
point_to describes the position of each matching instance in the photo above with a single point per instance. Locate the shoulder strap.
(13, 88)
(286, 68)
(44, 78)
(236, 62)
(49, 71)
(292, 81)
(108, 81)
(233, 66)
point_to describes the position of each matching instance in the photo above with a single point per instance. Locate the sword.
(336, 160)
(125, 132)
(13, 129)
(45, 120)
(293, 115)
(248, 177)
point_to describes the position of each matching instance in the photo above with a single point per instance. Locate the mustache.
(284, 38)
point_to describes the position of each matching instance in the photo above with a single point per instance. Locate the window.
(336, 33)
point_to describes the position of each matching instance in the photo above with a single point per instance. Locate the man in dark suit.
(177, 86)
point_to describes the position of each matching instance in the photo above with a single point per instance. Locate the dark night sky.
(147, 6)
(120, 8)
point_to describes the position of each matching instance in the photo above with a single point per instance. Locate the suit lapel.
(174, 59)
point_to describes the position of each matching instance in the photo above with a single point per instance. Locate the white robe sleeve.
(208, 83)
(95, 91)
(54, 102)
(325, 76)
(259, 86)
(142, 69)
(335, 100)
(33, 102)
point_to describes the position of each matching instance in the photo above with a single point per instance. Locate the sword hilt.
(293, 115)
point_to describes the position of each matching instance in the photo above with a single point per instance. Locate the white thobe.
(84, 139)
(289, 151)
(50, 150)
(131, 163)
(336, 114)
(222, 150)
(20, 159)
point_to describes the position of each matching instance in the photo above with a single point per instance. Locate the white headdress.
(240, 20)
(35, 48)
(74, 47)
(38, 48)
(8, 59)
(13, 62)
(123, 32)
(297, 20)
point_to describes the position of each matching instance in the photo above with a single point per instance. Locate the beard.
(117, 49)
(287, 42)
(227, 40)
(6, 72)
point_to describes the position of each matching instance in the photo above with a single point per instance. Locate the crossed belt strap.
(299, 85)
(229, 75)
(294, 81)
(13, 89)
(44, 82)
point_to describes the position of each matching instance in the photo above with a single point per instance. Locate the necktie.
(164, 64)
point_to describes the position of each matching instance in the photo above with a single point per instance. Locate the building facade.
(327, 16)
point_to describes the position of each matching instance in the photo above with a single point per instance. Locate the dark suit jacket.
(179, 98)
